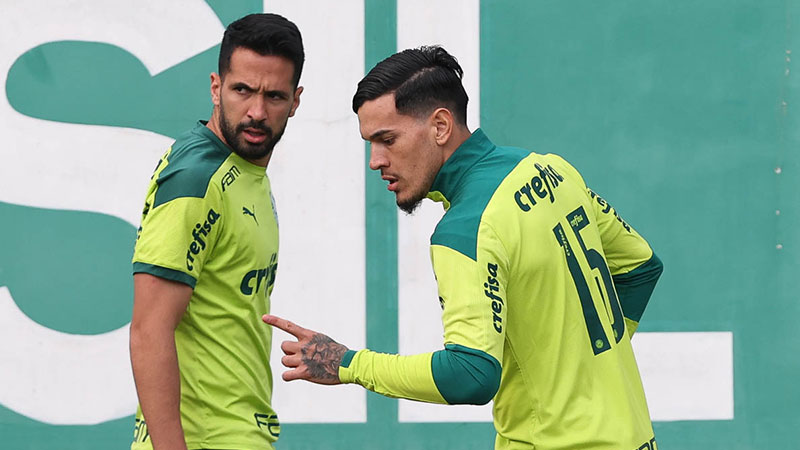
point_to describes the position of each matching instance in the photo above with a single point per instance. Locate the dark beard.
(410, 206)
(240, 146)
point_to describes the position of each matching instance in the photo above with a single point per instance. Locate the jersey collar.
(242, 163)
(447, 184)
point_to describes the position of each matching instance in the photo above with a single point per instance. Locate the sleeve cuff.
(165, 273)
(465, 376)
(346, 375)
(348, 358)
(635, 287)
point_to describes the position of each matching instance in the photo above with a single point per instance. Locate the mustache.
(261, 126)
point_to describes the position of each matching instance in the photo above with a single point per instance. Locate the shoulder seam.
(187, 192)
(494, 232)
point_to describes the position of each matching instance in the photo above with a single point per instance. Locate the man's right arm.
(158, 306)
(634, 267)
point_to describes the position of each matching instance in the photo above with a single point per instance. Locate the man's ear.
(296, 102)
(444, 123)
(216, 87)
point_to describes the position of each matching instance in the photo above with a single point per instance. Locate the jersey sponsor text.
(198, 244)
(140, 433)
(607, 208)
(491, 287)
(649, 445)
(228, 179)
(542, 185)
(270, 422)
(259, 275)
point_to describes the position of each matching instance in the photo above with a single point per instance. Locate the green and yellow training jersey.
(209, 222)
(542, 285)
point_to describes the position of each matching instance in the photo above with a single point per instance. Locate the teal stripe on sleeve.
(347, 358)
(163, 272)
(635, 287)
(464, 375)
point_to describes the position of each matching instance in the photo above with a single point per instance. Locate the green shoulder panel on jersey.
(488, 165)
(465, 376)
(195, 158)
(635, 287)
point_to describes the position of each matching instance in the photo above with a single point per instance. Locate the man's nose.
(377, 157)
(258, 109)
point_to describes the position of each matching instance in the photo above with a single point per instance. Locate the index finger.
(285, 325)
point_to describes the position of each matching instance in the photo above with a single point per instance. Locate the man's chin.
(410, 205)
(251, 152)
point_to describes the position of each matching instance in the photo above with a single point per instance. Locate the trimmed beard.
(239, 145)
(411, 205)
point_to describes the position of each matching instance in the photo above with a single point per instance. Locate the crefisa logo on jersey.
(253, 280)
(492, 286)
(542, 185)
(200, 231)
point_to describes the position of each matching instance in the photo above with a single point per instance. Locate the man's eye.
(240, 89)
(388, 141)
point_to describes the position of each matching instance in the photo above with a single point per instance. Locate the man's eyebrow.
(241, 84)
(278, 92)
(374, 136)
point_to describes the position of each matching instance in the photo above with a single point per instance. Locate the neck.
(213, 125)
(459, 136)
(263, 162)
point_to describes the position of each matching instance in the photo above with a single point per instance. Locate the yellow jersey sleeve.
(624, 248)
(467, 370)
(397, 376)
(634, 267)
(472, 293)
(455, 375)
(177, 233)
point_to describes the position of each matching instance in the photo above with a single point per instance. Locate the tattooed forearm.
(322, 356)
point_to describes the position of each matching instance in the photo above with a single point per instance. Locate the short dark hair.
(265, 34)
(422, 79)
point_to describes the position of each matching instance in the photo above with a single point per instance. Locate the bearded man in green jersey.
(206, 255)
(542, 283)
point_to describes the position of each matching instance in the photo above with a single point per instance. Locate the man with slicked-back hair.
(541, 282)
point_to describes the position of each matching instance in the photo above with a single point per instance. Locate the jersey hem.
(237, 445)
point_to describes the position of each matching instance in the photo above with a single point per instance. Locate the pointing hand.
(313, 357)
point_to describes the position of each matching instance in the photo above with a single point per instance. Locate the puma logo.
(250, 213)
